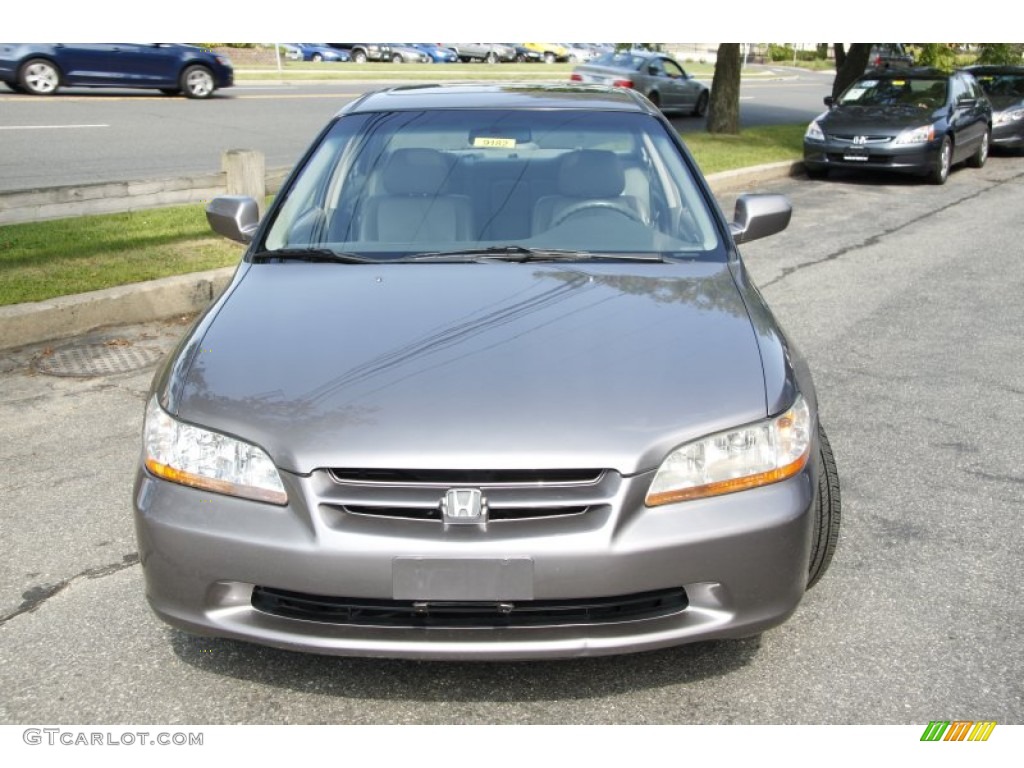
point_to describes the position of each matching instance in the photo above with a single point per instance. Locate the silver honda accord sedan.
(490, 382)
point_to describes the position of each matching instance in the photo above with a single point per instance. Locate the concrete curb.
(69, 316)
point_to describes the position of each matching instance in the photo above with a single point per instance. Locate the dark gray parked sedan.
(920, 121)
(491, 381)
(1004, 87)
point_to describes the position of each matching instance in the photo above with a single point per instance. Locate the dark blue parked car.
(437, 54)
(42, 68)
(321, 52)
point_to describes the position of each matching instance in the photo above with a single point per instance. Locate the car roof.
(995, 69)
(903, 73)
(501, 96)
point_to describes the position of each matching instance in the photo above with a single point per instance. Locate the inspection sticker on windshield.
(494, 142)
(854, 93)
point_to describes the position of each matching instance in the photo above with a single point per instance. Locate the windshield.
(388, 185)
(1008, 85)
(928, 92)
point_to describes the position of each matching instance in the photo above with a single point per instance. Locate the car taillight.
(576, 78)
(622, 83)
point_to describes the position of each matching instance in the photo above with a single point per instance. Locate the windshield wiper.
(521, 254)
(323, 255)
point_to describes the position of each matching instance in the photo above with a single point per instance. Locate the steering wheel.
(607, 205)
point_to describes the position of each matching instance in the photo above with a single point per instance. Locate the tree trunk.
(724, 108)
(840, 50)
(853, 66)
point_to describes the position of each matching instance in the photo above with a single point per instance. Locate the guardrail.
(242, 174)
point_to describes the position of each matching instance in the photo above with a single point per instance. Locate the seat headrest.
(415, 172)
(591, 173)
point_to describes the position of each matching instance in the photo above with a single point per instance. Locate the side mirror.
(758, 216)
(829, 101)
(235, 217)
(967, 102)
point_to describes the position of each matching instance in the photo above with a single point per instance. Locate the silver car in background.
(491, 382)
(660, 78)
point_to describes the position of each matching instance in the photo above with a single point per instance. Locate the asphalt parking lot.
(904, 297)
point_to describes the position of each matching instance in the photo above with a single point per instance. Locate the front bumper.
(908, 158)
(742, 560)
(1008, 135)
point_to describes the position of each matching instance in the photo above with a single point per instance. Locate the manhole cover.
(97, 359)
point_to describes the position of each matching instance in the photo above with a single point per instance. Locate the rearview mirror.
(758, 216)
(235, 217)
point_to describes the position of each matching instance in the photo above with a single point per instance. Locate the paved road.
(83, 136)
(905, 297)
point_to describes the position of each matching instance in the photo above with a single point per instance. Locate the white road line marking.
(48, 127)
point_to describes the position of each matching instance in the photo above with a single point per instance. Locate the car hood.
(476, 366)
(877, 120)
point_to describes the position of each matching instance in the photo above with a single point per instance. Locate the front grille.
(520, 613)
(510, 495)
(434, 513)
(848, 138)
(447, 478)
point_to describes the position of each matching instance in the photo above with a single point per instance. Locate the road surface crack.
(35, 597)
(876, 239)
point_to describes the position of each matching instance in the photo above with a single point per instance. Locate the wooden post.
(246, 174)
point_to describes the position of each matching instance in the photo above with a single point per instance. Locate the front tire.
(317, 57)
(397, 58)
(701, 107)
(977, 160)
(197, 82)
(827, 512)
(549, 57)
(943, 161)
(492, 57)
(39, 77)
(359, 57)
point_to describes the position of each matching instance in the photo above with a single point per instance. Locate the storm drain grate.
(97, 359)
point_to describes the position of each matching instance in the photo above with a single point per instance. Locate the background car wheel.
(197, 82)
(701, 107)
(521, 58)
(359, 57)
(940, 170)
(827, 512)
(39, 77)
(549, 57)
(317, 57)
(396, 58)
(492, 58)
(977, 160)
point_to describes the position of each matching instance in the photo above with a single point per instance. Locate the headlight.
(754, 455)
(1009, 116)
(814, 132)
(190, 455)
(921, 135)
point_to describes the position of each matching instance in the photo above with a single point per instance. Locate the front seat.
(414, 206)
(585, 177)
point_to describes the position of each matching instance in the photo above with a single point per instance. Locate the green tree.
(938, 55)
(1000, 53)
